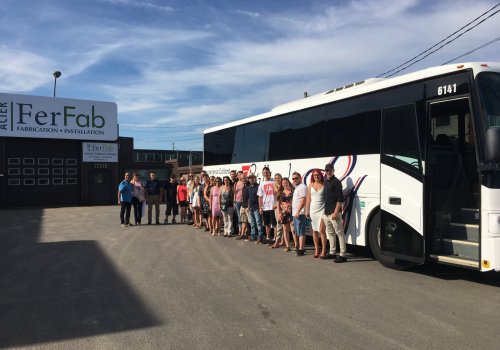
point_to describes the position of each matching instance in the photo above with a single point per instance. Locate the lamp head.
(56, 74)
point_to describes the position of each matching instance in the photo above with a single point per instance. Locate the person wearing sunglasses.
(298, 211)
(332, 217)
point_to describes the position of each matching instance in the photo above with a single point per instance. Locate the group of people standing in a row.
(247, 209)
(180, 197)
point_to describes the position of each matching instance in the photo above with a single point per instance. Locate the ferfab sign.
(100, 152)
(57, 118)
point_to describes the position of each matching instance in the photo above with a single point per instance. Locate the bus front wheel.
(374, 234)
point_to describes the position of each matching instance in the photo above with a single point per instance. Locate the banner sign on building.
(100, 152)
(57, 118)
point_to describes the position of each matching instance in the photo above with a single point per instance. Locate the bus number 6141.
(447, 89)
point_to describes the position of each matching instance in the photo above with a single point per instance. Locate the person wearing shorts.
(266, 203)
(298, 211)
(244, 222)
(243, 212)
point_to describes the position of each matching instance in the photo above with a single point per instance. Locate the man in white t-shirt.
(298, 211)
(266, 203)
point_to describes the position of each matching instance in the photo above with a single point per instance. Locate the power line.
(473, 50)
(440, 47)
(192, 138)
(414, 60)
(162, 126)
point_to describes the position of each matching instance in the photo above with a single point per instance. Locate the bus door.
(452, 185)
(401, 186)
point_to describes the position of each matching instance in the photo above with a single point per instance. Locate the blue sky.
(177, 67)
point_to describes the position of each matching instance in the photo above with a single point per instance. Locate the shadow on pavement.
(452, 273)
(60, 290)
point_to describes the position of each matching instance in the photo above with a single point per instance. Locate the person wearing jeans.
(256, 232)
(125, 200)
(138, 198)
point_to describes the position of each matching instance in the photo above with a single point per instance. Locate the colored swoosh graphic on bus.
(350, 196)
(351, 164)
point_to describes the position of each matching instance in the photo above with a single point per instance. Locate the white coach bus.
(418, 156)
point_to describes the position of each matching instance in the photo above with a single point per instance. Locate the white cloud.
(21, 70)
(320, 62)
(252, 14)
(204, 64)
(142, 4)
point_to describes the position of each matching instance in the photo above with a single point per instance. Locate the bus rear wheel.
(374, 233)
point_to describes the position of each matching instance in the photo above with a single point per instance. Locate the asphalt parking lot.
(73, 278)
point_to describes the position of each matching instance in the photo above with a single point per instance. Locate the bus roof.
(359, 88)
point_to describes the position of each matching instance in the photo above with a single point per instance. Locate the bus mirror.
(492, 145)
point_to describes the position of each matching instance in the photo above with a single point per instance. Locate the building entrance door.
(100, 191)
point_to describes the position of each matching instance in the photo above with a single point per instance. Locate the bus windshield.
(489, 89)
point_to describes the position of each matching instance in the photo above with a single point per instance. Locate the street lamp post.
(56, 75)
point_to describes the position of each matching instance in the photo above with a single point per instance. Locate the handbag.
(189, 214)
(206, 208)
(139, 193)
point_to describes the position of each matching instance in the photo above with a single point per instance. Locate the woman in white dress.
(315, 206)
(196, 202)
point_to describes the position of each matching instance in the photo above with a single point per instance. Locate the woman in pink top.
(182, 199)
(139, 196)
(238, 198)
(216, 211)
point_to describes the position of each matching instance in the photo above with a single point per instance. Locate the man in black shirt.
(332, 217)
(170, 190)
(153, 195)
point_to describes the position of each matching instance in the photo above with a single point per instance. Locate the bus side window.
(400, 144)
